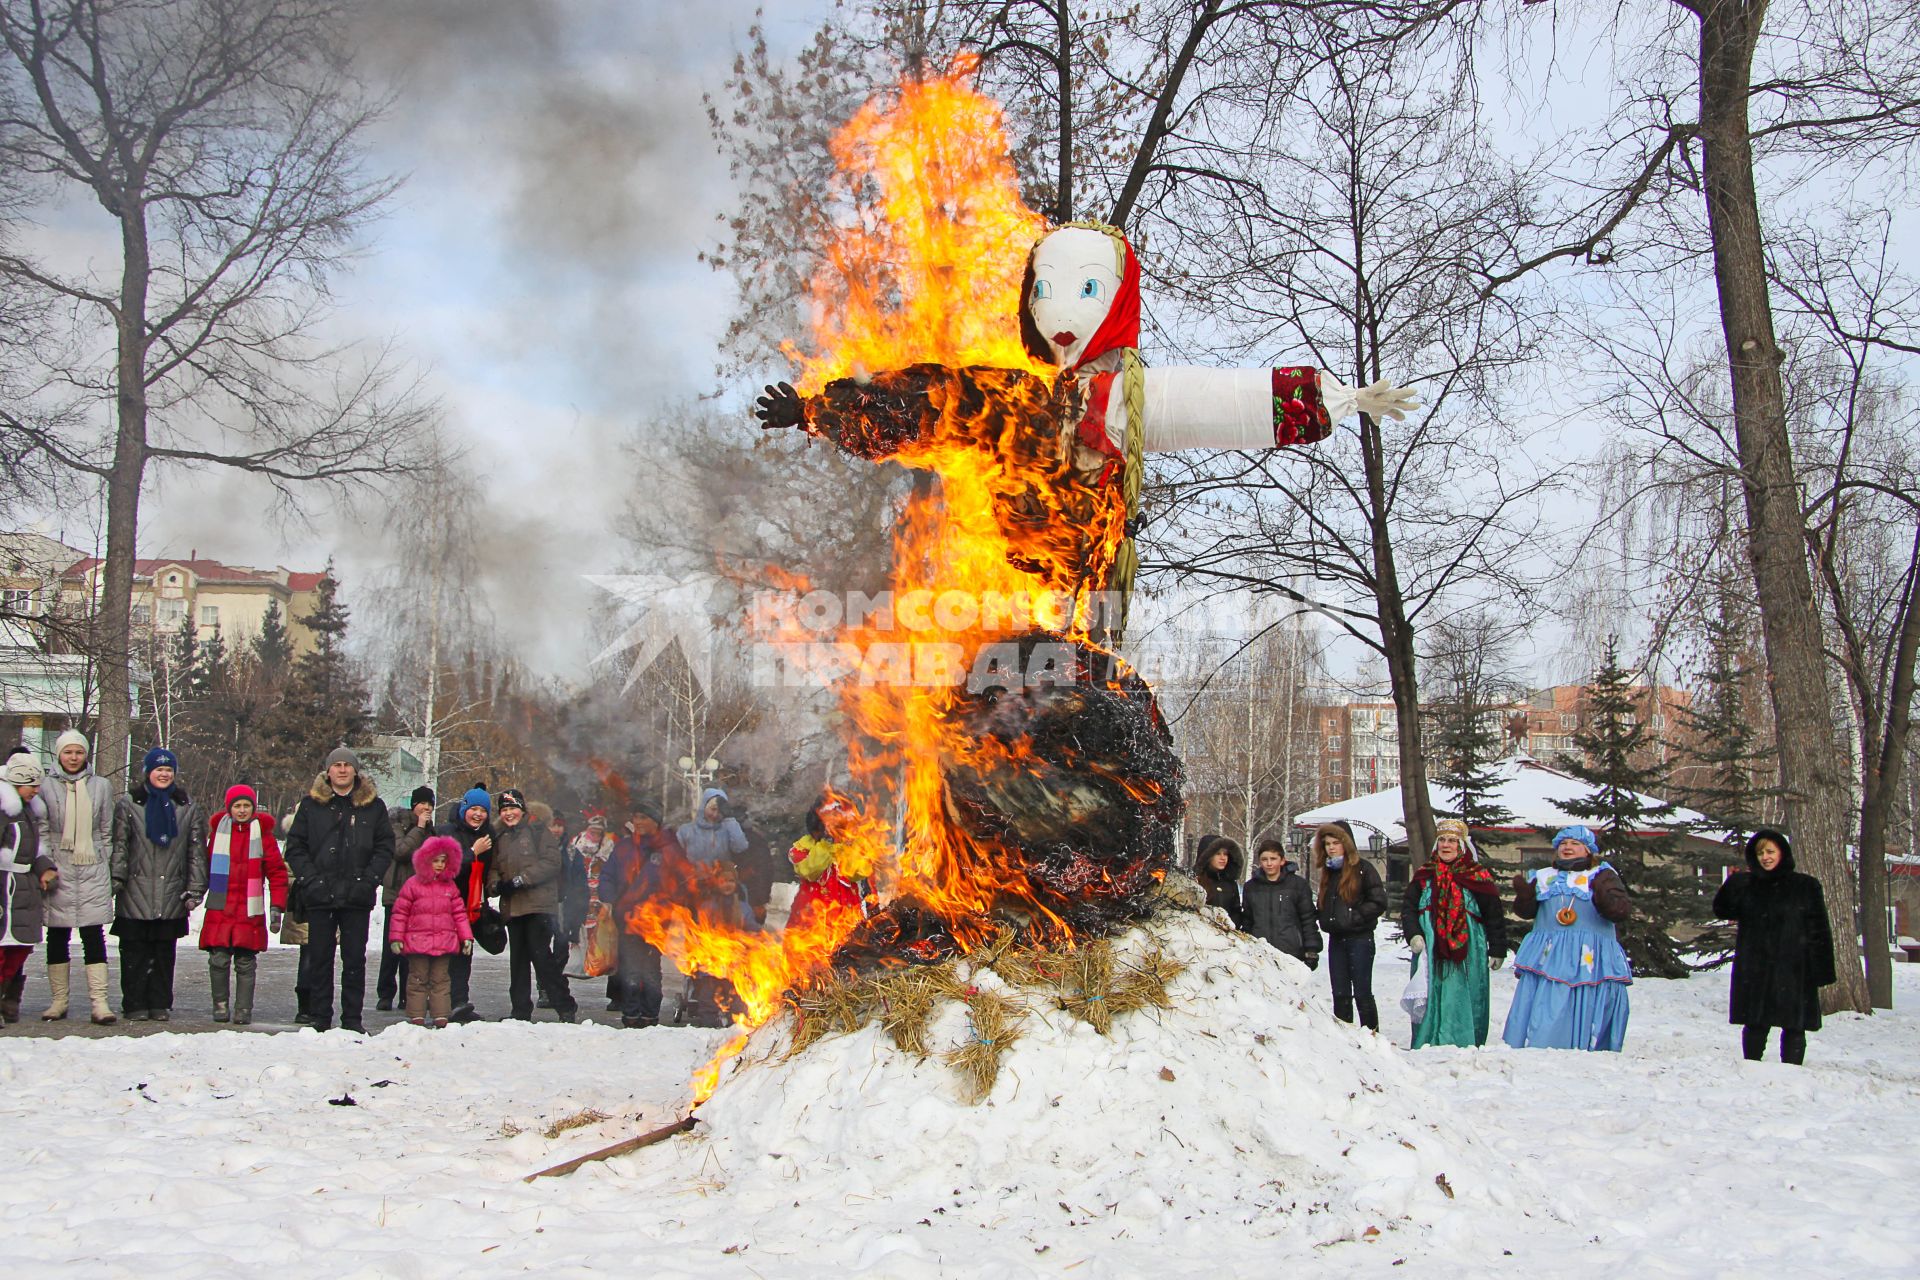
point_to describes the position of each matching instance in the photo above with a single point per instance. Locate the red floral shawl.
(1452, 882)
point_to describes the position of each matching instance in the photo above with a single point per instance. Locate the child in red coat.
(430, 927)
(246, 882)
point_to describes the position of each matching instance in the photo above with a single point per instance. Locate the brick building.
(1359, 741)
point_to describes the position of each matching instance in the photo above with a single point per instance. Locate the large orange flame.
(927, 268)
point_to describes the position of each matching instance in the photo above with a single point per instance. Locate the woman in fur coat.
(1782, 952)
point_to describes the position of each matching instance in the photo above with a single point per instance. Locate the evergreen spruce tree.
(324, 699)
(1465, 752)
(273, 648)
(1613, 743)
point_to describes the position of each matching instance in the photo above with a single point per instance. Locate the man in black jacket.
(338, 847)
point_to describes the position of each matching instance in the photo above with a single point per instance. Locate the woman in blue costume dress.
(1573, 973)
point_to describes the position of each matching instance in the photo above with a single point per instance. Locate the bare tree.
(1242, 716)
(222, 138)
(427, 614)
(1365, 251)
(1861, 468)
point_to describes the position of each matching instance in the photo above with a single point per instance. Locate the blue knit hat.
(476, 799)
(1580, 833)
(158, 757)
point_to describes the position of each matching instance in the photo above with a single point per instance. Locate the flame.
(927, 268)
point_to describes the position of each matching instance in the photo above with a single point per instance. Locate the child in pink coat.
(429, 926)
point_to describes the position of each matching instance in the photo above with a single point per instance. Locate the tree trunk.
(1882, 770)
(1063, 196)
(1396, 642)
(114, 634)
(1811, 762)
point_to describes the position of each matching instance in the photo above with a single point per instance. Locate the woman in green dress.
(1451, 917)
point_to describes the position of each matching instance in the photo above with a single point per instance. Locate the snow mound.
(1238, 1104)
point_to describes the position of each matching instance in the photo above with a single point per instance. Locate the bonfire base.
(998, 986)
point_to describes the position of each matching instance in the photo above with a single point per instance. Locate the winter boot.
(96, 994)
(243, 996)
(219, 970)
(10, 998)
(59, 975)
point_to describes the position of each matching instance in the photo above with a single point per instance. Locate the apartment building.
(171, 594)
(1359, 748)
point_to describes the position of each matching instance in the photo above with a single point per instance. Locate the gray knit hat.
(23, 771)
(343, 755)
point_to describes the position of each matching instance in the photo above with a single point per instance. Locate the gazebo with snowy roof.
(1534, 792)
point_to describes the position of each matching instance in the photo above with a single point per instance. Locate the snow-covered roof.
(1532, 791)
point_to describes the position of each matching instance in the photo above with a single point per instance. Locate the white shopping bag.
(1414, 998)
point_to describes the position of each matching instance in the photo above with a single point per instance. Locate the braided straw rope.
(1133, 387)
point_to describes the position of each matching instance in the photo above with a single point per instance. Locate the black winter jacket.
(1281, 912)
(339, 847)
(1356, 919)
(1783, 947)
(1223, 887)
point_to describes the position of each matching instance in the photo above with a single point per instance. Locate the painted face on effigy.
(1075, 279)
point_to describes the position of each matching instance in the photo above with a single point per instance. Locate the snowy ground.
(181, 1155)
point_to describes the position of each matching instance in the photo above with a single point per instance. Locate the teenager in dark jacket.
(1352, 900)
(159, 877)
(1219, 866)
(526, 873)
(1278, 906)
(411, 827)
(1782, 951)
(339, 846)
(473, 828)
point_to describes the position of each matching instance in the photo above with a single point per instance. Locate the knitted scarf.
(76, 833)
(1452, 882)
(163, 824)
(230, 843)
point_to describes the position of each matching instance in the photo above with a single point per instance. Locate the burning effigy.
(1012, 782)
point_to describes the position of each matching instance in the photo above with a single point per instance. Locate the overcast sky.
(540, 266)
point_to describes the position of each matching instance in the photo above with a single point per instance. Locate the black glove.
(779, 406)
(517, 883)
(1313, 959)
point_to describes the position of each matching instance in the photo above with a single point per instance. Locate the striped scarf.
(230, 841)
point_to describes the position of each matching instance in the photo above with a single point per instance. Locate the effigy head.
(1082, 295)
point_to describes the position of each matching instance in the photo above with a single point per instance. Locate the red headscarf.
(1452, 882)
(1121, 328)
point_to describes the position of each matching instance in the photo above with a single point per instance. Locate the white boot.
(97, 992)
(58, 976)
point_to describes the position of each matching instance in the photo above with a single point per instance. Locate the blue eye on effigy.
(1041, 289)
(1090, 288)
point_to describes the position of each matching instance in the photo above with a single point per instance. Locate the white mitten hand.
(1384, 400)
(1416, 945)
(1380, 400)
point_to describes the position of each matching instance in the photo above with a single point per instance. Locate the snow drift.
(1238, 1103)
